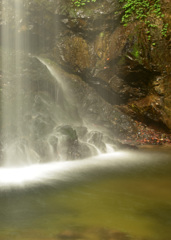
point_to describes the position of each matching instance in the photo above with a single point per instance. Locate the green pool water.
(128, 204)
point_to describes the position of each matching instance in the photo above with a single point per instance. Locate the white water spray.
(69, 170)
(40, 120)
(14, 42)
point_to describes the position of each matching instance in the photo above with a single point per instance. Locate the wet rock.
(70, 146)
(148, 136)
(120, 63)
(46, 151)
(67, 131)
(67, 142)
(82, 132)
(148, 110)
(96, 113)
(75, 52)
(96, 138)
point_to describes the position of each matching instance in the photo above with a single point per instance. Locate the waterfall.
(14, 42)
(40, 121)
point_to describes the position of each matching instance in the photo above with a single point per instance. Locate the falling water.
(13, 43)
(40, 120)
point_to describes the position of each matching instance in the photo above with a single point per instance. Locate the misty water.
(61, 175)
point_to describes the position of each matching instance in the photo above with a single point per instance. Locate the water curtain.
(40, 120)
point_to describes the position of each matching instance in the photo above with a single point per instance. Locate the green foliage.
(136, 53)
(164, 30)
(79, 3)
(141, 10)
(137, 10)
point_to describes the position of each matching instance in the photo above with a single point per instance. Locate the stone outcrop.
(120, 63)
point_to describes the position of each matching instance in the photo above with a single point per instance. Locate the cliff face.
(124, 67)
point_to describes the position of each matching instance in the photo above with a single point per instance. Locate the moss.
(102, 34)
(72, 12)
(136, 53)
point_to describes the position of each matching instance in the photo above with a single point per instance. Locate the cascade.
(14, 42)
(40, 118)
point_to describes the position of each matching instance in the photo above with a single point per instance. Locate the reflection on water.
(114, 198)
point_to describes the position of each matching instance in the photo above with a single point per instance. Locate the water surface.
(118, 197)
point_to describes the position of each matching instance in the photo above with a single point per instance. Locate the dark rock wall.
(121, 63)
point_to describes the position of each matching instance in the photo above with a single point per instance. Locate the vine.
(137, 10)
(141, 10)
(164, 30)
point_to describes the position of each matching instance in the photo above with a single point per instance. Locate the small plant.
(164, 30)
(79, 3)
(136, 10)
(141, 10)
